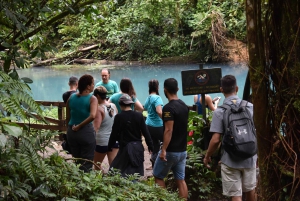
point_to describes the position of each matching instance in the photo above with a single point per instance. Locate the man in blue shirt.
(110, 85)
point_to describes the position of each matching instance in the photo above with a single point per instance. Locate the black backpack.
(239, 137)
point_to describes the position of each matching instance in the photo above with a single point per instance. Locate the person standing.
(238, 176)
(103, 124)
(73, 84)
(212, 104)
(153, 105)
(110, 85)
(126, 88)
(82, 108)
(172, 155)
(128, 128)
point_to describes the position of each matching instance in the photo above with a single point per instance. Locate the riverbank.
(236, 52)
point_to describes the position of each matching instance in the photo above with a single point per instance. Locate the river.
(49, 84)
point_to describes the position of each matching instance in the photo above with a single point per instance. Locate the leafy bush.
(26, 175)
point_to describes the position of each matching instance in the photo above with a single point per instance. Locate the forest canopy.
(118, 30)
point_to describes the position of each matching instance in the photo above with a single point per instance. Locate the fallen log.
(55, 60)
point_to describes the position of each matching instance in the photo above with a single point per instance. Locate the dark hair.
(101, 92)
(127, 87)
(171, 85)
(228, 84)
(84, 81)
(73, 80)
(153, 86)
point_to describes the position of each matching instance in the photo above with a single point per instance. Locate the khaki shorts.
(237, 181)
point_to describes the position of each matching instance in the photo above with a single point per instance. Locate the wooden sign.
(202, 81)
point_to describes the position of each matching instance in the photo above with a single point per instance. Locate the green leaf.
(14, 75)
(86, 179)
(5, 44)
(3, 140)
(27, 80)
(12, 130)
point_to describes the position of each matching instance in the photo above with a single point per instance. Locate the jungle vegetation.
(144, 30)
(150, 30)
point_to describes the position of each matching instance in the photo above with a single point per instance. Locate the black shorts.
(104, 149)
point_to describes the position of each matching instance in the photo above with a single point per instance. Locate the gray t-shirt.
(103, 134)
(217, 127)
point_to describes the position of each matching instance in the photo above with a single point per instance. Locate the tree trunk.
(274, 65)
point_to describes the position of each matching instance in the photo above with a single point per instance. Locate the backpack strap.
(227, 108)
(243, 103)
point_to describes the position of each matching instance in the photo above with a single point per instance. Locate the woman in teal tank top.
(126, 88)
(82, 108)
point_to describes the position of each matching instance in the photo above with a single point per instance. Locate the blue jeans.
(175, 161)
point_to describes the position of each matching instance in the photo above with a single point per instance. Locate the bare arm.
(210, 104)
(138, 106)
(93, 111)
(167, 138)
(159, 111)
(195, 98)
(213, 146)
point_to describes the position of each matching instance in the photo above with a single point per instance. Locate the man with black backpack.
(232, 124)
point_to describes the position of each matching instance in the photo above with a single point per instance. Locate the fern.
(15, 97)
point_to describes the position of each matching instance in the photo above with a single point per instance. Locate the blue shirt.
(151, 103)
(115, 99)
(79, 108)
(111, 87)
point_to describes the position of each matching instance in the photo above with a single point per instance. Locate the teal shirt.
(115, 99)
(151, 103)
(111, 87)
(79, 108)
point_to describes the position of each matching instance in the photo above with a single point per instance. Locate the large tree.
(28, 24)
(274, 64)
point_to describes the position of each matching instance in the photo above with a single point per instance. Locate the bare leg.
(160, 182)
(236, 198)
(111, 155)
(250, 196)
(182, 188)
(98, 158)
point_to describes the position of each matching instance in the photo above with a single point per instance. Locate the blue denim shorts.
(175, 161)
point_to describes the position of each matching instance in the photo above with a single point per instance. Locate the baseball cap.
(126, 99)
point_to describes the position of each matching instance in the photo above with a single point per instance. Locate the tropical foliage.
(26, 175)
(121, 30)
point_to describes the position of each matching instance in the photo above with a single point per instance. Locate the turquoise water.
(49, 84)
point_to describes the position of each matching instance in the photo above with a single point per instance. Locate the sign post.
(202, 81)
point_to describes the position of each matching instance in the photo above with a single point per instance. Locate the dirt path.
(57, 148)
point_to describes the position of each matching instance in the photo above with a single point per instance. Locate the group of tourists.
(107, 122)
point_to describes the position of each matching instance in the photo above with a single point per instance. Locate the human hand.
(75, 127)
(217, 100)
(162, 155)
(206, 160)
